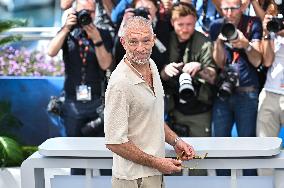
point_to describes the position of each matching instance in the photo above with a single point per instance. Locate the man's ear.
(122, 41)
(172, 22)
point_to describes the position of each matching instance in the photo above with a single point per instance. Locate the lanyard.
(84, 47)
(236, 56)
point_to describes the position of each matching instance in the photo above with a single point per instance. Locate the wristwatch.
(249, 48)
(176, 140)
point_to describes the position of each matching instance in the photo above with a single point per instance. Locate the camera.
(227, 82)
(55, 105)
(95, 126)
(141, 11)
(275, 24)
(186, 89)
(84, 17)
(229, 31)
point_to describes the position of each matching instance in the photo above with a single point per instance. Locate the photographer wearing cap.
(237, 41)
(271, 99)
(86, 55)
(188, 76)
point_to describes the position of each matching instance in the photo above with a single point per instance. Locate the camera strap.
(84, 47)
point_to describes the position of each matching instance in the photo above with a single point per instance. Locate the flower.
(22, 62)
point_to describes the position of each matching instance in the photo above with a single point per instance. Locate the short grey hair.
(136, 22)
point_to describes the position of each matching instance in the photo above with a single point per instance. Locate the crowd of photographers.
(214, 58)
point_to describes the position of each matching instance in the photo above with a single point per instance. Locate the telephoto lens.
(186, 89)
(229, 31)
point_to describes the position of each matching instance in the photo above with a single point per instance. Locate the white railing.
(32, 33)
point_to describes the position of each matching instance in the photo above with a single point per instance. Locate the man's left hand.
(241, 42)
(92, 32)
(184, 150)
(192, 68)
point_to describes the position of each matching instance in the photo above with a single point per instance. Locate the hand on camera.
(192, 68)
(266, 19)
(241, 42)
(173, 69)
(71, 20)
(92, 31)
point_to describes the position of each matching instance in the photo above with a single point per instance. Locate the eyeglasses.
(135, 43)
(231, 8)
(195, 157)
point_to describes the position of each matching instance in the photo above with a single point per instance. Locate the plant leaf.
(11, 153)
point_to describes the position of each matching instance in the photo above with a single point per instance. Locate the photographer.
(188, 76)
(86, 56)
(149, 10)
(237, 53)
(270, 116)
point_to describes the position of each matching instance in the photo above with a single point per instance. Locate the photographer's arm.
(252, 49)
(104, 57)
(257, 9)
(56, 43)
(267, 44)
(219, 55)
(254, 55)
(65, 4)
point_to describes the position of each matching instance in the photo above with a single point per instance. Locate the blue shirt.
(252, 29)
(211, 14)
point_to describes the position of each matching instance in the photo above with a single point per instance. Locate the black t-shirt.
(73, 63)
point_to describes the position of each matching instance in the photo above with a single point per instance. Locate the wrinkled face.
(184, 27)
(232, 11)
(138, 43)
(147, 4)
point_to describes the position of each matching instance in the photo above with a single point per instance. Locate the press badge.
(83, 93)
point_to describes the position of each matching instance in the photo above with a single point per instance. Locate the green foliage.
(11, 153)
(8, 24)
(8, 121)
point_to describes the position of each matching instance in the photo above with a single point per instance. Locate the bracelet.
(99, 43)
(176, 140)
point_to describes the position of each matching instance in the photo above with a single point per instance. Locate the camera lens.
(274, 25)
(229, 31)
(84, 17)
(186, 89)
(142, 11)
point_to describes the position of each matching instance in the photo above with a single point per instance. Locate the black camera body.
(54, 105)
(84, 17)
(141, 11)
(229, 31)
(275, 24)
(227, 82)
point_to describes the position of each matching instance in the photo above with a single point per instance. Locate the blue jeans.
(77, 114)
(240, 108)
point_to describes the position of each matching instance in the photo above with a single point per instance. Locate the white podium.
(90, 153)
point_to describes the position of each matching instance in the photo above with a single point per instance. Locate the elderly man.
(134, 115)
(238, 58)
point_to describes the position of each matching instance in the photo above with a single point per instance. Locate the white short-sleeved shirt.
(134, 112)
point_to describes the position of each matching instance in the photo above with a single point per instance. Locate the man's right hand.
(173, 69)
(71, 20)
(168, 165)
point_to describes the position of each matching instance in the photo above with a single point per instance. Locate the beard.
(133, 56)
